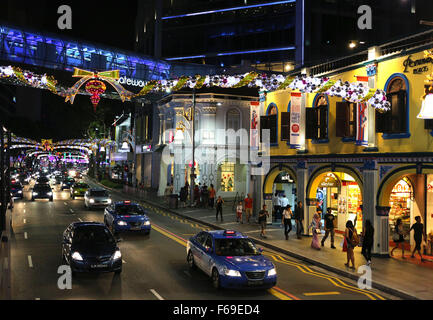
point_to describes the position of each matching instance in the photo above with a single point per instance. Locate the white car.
(97, 198)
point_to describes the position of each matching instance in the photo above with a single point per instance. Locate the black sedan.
(43, 180)
(17, 189)
(67, 184)
(91, 247)
(42, 191)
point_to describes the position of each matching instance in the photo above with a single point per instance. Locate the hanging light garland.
(352, 92)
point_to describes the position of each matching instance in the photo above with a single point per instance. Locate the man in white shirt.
(284, 202)
(277, 205)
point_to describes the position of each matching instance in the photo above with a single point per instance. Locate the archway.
(341, 191)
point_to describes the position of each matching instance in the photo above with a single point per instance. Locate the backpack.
(355, 239)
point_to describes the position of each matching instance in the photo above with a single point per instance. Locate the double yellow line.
(335, 281)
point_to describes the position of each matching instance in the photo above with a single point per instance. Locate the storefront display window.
(401, 202)
(228, 177)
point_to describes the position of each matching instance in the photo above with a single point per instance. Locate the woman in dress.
(398, 238)
(316, 226)
(349, 235)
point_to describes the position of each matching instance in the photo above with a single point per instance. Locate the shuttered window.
(393, 121)
(317, 123)
(346, 120)
(285, 126)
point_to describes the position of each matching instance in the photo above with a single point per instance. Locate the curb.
(352, 276)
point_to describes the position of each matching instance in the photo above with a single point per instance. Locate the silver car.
(97, 198)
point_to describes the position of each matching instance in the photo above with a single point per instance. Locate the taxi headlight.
(50, 194)
(233, 273)
(109, 201)
(147, 223)
(77, 256)
(122, 223)
(272, 272)
(117, 255)
(20, 192)
(35, 193)
(92, 201)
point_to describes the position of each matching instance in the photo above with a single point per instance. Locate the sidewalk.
(407, 279)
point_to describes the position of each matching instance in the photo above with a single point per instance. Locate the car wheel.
(216, 279)
(190, 259)
(33, 199)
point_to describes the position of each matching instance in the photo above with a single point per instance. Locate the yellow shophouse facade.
(359, 163)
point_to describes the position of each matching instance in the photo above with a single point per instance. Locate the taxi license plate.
(135, 228)
(98, 266)
(255, 283)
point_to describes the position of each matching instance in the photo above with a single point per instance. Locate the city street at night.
(215, 159)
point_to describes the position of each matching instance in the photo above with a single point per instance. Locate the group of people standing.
(204, 196)
(419, 235)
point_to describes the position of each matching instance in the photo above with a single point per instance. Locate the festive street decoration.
(427, 99)
(353, 92)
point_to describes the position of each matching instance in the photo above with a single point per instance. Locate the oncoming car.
(231, 260)
(97, 198)
(91, 247)
(79, 189)
(127, 216)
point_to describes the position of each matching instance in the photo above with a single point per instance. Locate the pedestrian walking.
(329, 228)
(316, 228)
(239, 210)
(248, 207)
(183, 196)
(418, 236)
(263, 217)
(205, 195)
(287, 221)
(284, 203)
(277, 204)
(219, 208)
(299, 219)
(351, 242)
(212, 194)
(368, 240)
(398, 238)
(196, 196)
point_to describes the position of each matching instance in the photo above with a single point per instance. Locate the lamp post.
(193, 146)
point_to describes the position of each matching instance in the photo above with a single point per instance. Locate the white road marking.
(25, 235)
(37, 299)
(29, 258)
(24, 211)
(123, 261)
(228, 224)
(65, 203)
(25, 221)
(6, 264)
(156, 295)
(72, 211)
(80, 220)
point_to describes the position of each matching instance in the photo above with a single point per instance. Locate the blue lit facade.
(53, 52)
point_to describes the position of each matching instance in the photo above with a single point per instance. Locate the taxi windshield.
(235, 247)
(129, 210)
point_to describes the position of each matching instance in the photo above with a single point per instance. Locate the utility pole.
(193, 177)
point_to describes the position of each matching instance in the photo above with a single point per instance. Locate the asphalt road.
(154, 267)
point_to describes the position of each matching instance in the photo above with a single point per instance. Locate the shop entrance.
(341, 193)
(401, 203)
(284, 185)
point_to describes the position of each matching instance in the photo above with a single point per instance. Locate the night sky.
(107, 22)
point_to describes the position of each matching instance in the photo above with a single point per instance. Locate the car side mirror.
(261, 250)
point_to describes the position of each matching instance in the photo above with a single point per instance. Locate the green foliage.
(111, 184)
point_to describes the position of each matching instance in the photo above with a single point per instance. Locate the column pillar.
(302, 175)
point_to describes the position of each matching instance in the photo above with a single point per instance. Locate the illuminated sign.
(418, 65)
(329, 182)
(132, 82)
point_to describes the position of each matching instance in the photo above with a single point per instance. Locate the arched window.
(395, 123)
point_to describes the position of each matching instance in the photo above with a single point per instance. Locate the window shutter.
(428, 124)
(264, 124)
(311, 123)
(285, 126)
(384, 121)
(273, 125)
(323, 115)
(342, 120)
(402, 112)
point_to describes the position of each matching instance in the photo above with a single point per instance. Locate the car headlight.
(92, 201)
(233, 273)
(109, 201)
(76, 256)
(272, 272)
(35, 193)
(122, 223)
(20, 192)
(50, 194)
(147, 223)
(117, 255)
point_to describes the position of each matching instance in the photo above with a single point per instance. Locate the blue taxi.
(231, 259)
(126, 216)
